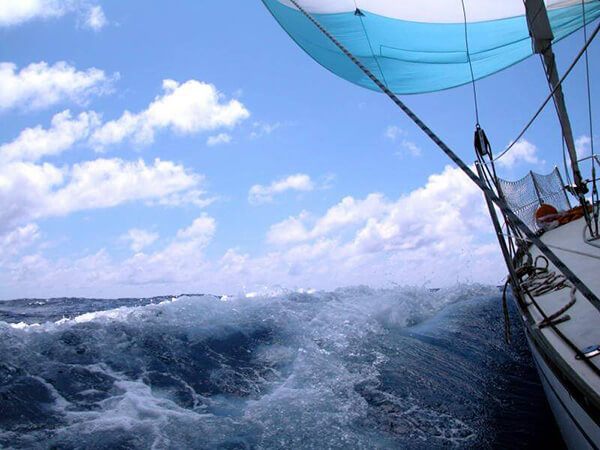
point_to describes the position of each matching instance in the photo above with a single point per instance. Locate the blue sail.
(423, 48)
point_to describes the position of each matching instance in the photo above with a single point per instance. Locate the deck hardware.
(589, 352)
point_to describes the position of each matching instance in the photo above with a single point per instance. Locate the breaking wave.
(353, 368)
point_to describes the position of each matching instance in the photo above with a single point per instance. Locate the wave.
(356, 367)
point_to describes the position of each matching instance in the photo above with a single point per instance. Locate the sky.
(148, 149)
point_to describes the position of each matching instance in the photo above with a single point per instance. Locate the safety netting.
(525, 196)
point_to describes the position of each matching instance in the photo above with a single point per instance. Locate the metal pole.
(514, 280)
(542, 36)
(563, 116)
(568, 273)
(500, 236)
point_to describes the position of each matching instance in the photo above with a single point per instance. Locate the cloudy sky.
(151, 149)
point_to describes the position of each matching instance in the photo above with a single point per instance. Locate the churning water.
(354, 368)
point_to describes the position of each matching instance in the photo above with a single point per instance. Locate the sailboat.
(547, 230)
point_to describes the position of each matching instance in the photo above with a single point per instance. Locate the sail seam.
(470, 64)
(360, 16)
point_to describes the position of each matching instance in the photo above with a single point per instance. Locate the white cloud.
(33, 144)
(13, 242)
(221, 138)
(393, 132)
(410, 147)
(262, 194)
(348, 212)
(105, 183)
(29, 191)
(16, 12)
(178, 110)
(292, 229)
(196, 197)
(264, 128)
(443, 214)
(583, 145)
(440, 232)
(39, 85)
(437, 234)
(180, 261)
(201, 229)
(13, 12)
(522, 151)
(185, 108)
(140, 239)
(95, 18)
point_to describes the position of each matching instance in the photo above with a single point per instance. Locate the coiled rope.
(535, 279)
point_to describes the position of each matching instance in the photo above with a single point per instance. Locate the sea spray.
(357, 367)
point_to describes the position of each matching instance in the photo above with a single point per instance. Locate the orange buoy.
(546, 213)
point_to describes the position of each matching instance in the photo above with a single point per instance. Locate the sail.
(417, 46)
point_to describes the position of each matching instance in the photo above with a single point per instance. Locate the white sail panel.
(418, 47)
(430, 11)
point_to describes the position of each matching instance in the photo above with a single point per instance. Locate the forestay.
(418, 46)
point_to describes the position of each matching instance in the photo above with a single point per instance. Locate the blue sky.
(148, 150)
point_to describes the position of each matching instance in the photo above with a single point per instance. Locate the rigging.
(582, 287)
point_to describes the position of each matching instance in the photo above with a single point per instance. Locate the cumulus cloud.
(409, 147)
(393, 133)
(29, 191)
(201, 229)
(95, 18)
(13, 242)
(139, 239)
(264, 128)
(40, 85)
(396, 134)
(66, 131)
(522, 151)
(16, 12)
(349, 211)
(185, 108)
(262, 194)
(583, 145)
(34, 143)
(221, 138)
(444, 214)
(180, 261)
(439, 234)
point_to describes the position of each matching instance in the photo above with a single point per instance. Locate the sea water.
(355, 368)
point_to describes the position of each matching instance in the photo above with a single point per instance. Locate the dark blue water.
(354, 368)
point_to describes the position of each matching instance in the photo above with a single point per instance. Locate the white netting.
(524, 196)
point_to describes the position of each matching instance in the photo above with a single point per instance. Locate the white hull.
(571, 384)
(578, 430)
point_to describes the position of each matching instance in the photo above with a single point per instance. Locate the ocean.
(355, 368)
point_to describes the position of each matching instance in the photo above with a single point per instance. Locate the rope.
(566, 167)
(593, 299)
(537, 280)
(550, 96)
(505, 311)
(470, 65)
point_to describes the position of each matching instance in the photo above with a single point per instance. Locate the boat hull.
(577, 428)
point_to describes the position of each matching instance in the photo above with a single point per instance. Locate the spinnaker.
(421, 46)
